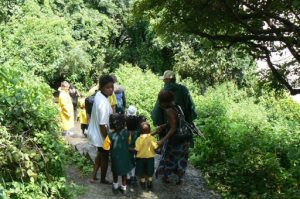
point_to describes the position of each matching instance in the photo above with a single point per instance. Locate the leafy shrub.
(31, 151)
(250, 145)
(142, 87)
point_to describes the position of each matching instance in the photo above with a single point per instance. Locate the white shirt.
(100, 116)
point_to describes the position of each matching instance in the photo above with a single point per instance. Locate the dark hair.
(166, 96)
(173, 80)
(141, 119)
(132, 122)
(105, 79)
(117, 121)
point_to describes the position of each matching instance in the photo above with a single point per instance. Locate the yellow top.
(106, 144)
(112, 99)
(66, 110)
(83, 116)
(145, 146)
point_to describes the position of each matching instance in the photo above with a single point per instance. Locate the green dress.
(132, 145)
(120, 156)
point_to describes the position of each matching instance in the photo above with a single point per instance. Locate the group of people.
(128, 138)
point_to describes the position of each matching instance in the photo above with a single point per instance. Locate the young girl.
(118, 144)
(145, 146)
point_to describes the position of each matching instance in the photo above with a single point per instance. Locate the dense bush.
(142, 87)
(251, 146)
(31, 152)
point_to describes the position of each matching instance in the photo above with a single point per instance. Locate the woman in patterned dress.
(174, 158)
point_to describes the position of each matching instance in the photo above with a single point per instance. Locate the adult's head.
(169, 76)
(106, 85)
(65, 85)
(114, 77)
(132, 110)
(166, 99)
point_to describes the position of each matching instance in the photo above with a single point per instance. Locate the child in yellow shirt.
(82, 116)
(145, 146)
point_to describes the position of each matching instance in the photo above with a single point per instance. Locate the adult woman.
(175, 152)
(66, 107)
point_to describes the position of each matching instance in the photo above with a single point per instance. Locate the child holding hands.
(118, 144)
(145, 146)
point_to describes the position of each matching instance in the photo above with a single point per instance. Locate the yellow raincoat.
(66, 110)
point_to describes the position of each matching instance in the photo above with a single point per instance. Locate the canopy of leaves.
(262, 27)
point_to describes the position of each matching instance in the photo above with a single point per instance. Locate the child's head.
(141, 119)
(145, 128)
(117, 121)
(132, 122)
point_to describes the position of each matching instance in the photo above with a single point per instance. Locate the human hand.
(160, 143)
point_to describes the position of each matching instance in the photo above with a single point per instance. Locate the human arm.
(159, 129)
(172, 120)
(103, 130)
(124, 100)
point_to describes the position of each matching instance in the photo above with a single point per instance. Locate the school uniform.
(118, 144)
(145, 146)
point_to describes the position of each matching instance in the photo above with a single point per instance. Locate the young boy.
(83, 117)
(145, 146)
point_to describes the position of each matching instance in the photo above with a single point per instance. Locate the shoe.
(70, 133)
(149, 185)
(124, 192)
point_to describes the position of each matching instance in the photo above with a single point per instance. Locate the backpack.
(120, 104)
(89, 101)
(185, 130)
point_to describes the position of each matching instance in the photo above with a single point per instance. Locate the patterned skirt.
(174, 159)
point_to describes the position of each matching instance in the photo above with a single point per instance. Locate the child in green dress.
(118, 144)
(145, 146)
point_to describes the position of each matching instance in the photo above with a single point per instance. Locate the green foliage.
(209, 66)
(82, 163)
(250, 147)
(261, 28)
(141, 87)
(31, 151)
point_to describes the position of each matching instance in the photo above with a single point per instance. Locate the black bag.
(89, 101)
(185, 130)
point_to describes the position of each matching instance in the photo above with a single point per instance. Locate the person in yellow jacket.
(66, 108)
(83, 116)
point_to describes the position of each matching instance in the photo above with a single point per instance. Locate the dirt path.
(193, 186)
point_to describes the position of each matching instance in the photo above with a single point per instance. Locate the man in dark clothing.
(120, 95)
(182, 98)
